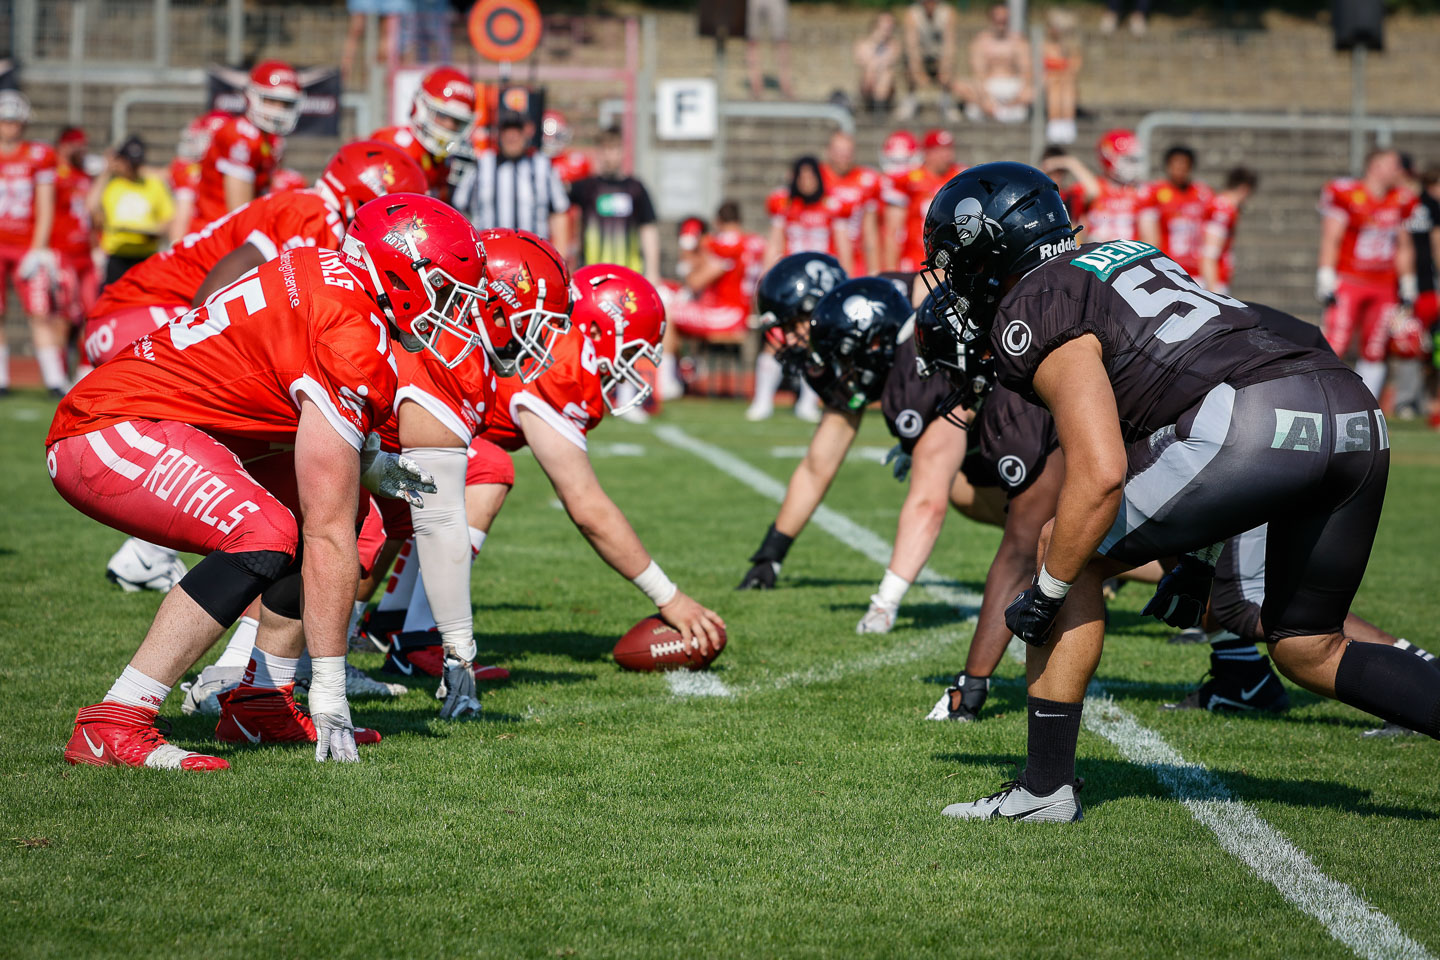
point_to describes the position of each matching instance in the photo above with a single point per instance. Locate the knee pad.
(224, 584)
(283, 597)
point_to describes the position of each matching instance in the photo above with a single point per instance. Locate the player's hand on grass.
(1182, 595)
(335, 738)
(901, 461)
(698, 625)
(392, 475)
(761, 576)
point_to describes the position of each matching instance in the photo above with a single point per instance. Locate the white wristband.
(892, 590)
(1409, 288)
(327, 686)
(1052, 588)
(1326, 280)
(655, 585)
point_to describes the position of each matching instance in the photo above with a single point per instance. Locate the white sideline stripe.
(685, 683)
(867, 454)
(1238, 827)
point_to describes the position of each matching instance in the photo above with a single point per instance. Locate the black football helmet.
(988, 223)
(853, 334)
(939, 352)
(787, 294)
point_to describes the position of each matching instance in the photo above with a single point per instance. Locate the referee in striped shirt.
(513, 187)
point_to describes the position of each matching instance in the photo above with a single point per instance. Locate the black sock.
(1234, 649)
(1392, 684)
(1413, 650)
(1054, 728)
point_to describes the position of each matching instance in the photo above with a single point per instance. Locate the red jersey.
(437, 169)
(20, 170)
(238, 149)
(1111, 215)
(743, 254)
(272, 224)
(184, 177)
(808, 226)
(71, 237)
(238, 364)
(571, 165)
(1220, 221)
(914, 190)
(1180, 213)
(566, 396)
(286, 179)
(858, 193)
(1372, 228)
(462, 399)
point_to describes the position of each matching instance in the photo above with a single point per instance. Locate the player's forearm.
(650, 251)
(1009, 575)
(1210, 274)
(1331, 232)
(610, 535)
(870, 238)
(1089, 503)
(237, 192)
(44, 216)
(184, 211)
(1150, 231)
(330, 571)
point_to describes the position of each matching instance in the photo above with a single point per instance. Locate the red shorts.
(107, 335)
(372, 538)
(76, 288)
(1364, 307)
(175, 485)
(1427, 308)
(488, 463)
(703, 322)
(34, 293)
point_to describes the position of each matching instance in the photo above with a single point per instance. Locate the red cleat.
(117, 735)
(423, 652)
(483, 672)
(270, 715)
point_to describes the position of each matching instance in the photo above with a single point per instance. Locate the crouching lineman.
(295, 353)
(618, 324)
(1229, 427)
(163, 287)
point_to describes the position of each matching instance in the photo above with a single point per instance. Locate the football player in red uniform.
(1216, 262)
(286, 179)
(1171, 212)
(441, 119)
(555, 139)
(176, 441)
(1367, 261)
(185, 167)
(858, 191)
(722, 282)
(908, 198)
(27, 217)
(1106, 206)
(804, 217)
(72, 238)
(244, 152)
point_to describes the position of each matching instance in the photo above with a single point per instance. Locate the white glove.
(335, 737)
(457, 689)
(1409, 289)
(878, 619)
(392, 475)
(1326, 280)
(901, 459)
(36, 261)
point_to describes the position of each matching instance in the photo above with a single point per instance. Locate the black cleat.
(962, 701)
(1238, 687)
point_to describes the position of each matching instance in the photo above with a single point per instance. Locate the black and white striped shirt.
(518, 194)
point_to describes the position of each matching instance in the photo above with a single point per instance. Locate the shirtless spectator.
(1062, 72)
(930, 58)
(771, 17)
(1000, 62)
(877, 54)
(1136, 21)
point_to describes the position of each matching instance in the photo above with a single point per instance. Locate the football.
(652, 644)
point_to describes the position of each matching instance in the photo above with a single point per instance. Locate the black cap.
(133, 150)
(511, 118)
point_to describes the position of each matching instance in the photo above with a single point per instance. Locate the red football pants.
(1360, 306)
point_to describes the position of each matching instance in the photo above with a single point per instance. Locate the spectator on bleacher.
(27, 183)
(877, 54)
(1062, 71)
(1137, 21)
(930, 58)
(389, 12)
(1000, 63)
(617, 219)
(1216, 262)
(907, 198)
(803, 217)
(857, 189)
(772, 17)
(1171, 212)
(425, 32)
(131, 208)
(513, 187)
(72, 239)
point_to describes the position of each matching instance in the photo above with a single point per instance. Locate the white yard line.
(1236, 824)
(684, 683)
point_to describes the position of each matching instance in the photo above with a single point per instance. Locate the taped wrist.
(773, 548)
(224, 584)
(282, 597)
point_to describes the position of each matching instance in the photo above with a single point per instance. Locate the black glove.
(767, 561)
(1031, 616)
(1182, 594)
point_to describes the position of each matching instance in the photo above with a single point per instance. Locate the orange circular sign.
(505, 30)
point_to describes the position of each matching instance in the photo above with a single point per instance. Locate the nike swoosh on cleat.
(402, 666)
(252, 737)
(97, 750)
(1250, 694)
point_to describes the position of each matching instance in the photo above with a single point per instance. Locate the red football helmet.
(444, 110)
(287, 179)
(555, 133)
(529, 302)
(897, 153)
(622, 313)
(361, 171)
(424, 264)
(1120, 156)
(273, 97)
(195, 138)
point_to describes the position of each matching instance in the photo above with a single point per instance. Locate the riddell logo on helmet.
(1048, 250)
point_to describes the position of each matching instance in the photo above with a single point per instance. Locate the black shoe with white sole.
(1238, 687)
(1016, 802)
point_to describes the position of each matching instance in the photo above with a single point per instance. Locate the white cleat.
(878, 619)
(759, 411)
(1016, 802)
(202, 694)
(358, 683)
(138, 565)
(808, 412)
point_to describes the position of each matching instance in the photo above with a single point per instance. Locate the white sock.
(4, 365)
(268, 670)
(768, 375)
(242, 641)
(134, 689)
(418, 616)
(477, 540)
(52, 368)
(1373, 373)
(401, 585)
(355, 615)
(807, 396)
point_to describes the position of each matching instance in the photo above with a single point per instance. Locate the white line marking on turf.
(1239, 828)
(556, 504)
(619, 450)
(686, 683)
(867, 454)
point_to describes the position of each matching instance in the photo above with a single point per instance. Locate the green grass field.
(595, 813)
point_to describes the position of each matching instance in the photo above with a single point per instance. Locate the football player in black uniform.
(1183, 424)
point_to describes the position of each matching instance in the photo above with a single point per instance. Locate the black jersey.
(1290, 328)
(910, 402)
(1010, 440)
(1166, 340)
